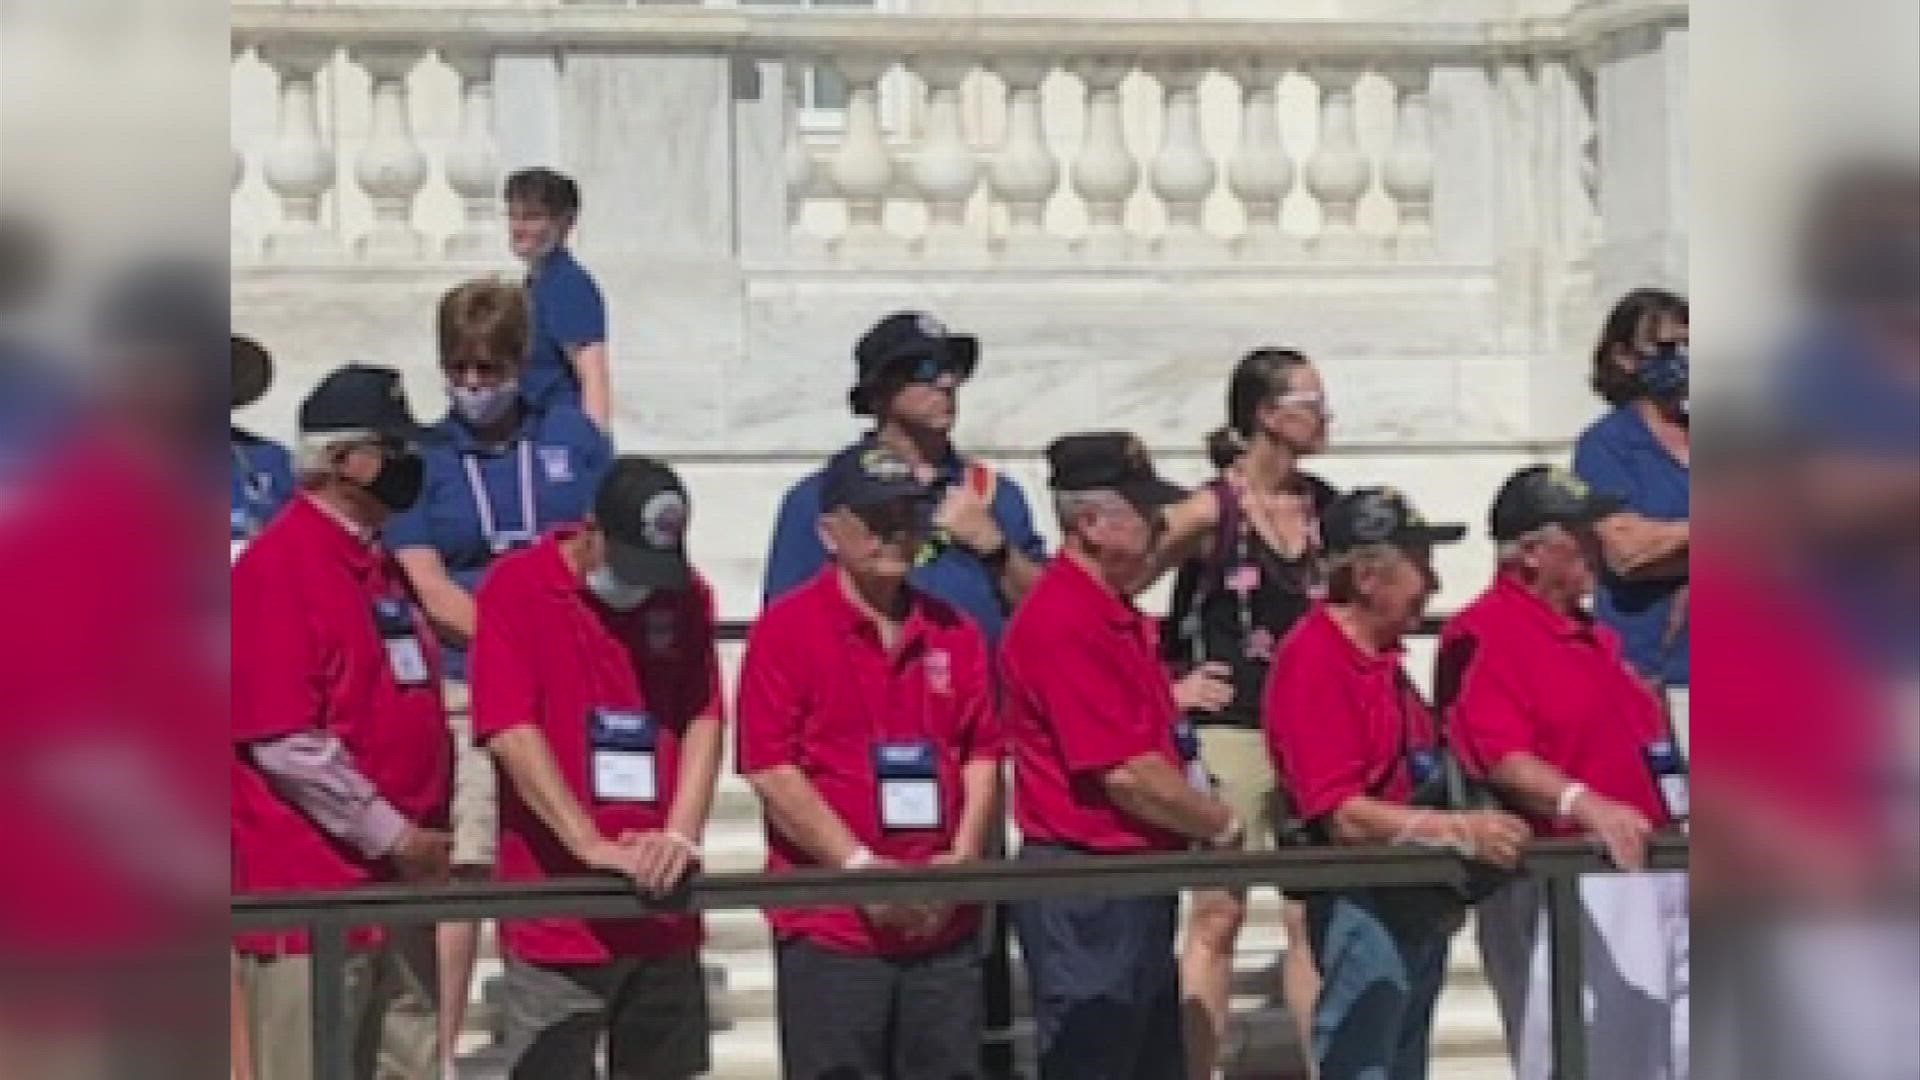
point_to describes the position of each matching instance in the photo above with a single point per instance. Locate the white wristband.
(862, 856)
(1568, 796)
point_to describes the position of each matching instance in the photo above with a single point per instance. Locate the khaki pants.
(392, 1011)
(1242, 771)
(475, 812)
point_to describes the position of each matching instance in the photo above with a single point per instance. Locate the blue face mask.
(482, 406)
(1665, 376)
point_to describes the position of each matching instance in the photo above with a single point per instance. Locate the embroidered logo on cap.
(1567, 484)
(879, 464)
(929, 325)
(1375, 519)
(663, 521)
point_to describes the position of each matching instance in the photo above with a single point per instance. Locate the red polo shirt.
(1340, 721)
(819, 692)
(1523, 678)
(548, 654)
(1085, 693)
(308, 655)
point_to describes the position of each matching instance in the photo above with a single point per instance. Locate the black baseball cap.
(252, 371)
(361, 397)
(1380, 515)
(901, 338)
(1110, 460)
(642, 508)
(1542, 495)
(866, 475)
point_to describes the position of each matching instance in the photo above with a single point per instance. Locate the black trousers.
(879, 1018)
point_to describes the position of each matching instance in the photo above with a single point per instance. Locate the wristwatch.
(997, 558)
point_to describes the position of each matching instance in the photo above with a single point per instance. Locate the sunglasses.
(928, 369)
(1305, 399)
(891, 520)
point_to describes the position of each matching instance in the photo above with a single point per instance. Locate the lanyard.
(484, 506)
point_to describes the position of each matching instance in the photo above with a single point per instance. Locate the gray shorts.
(653, 1013)
(907, 1018)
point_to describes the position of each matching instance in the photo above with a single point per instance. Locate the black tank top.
(1234, 604)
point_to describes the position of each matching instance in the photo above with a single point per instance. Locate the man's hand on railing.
(661, 860)
(423, 855)
(1493, 836)
(1621, 828)
(1205, 688)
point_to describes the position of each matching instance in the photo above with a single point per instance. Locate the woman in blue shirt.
(1641, 453)
(499, 472)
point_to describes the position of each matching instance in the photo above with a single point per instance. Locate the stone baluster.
(391, 169)
(862, 168)
(1105, 174)
(473, 162)
(805, 177)
(240, 242)
(1407, 173)
(1025, 173)
(300, 166)
(1182, 172)
(1261, 172)
(946, 171)
(1338, 173)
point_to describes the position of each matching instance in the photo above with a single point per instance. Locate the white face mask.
(484, 405)
(615, 593)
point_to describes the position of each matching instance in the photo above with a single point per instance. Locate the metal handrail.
(329, 916)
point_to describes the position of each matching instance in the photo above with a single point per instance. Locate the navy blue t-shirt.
(558, 448)
(955, 576)
(1619, 456)
(259, 481)
(568, 314)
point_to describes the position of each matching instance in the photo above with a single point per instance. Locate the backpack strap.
(1226, 528)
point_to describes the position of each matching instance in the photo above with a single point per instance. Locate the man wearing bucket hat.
(1546, 707)
(984, 553)
(596, 686)
(260, 471)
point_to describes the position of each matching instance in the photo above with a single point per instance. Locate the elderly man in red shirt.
(596, 687)
(1545, 707)
(343, 764)
(1360, 752)
(867, 728)
(1104, 764)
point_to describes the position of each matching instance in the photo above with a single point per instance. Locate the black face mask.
(397, 485)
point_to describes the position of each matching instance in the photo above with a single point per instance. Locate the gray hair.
(1068, 505)
(1507, 552)
(313, 453)
(1344, 569)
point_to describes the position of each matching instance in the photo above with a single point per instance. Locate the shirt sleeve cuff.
(377, 830)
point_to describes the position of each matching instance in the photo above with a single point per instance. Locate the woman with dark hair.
(1640, 453)
(1248, 546)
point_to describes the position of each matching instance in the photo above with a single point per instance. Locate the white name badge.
(625, 776)
(408, 662)
(1676, 792)
(910, 804)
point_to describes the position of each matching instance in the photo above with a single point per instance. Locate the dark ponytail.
(1224, 447)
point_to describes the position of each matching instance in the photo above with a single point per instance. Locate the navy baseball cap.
(1380, 515)
(1110, 460)
(643, 509)
(1541, 495)
(866, 475)
(904, 338)
(361, 397)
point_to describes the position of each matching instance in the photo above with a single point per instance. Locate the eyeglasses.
(1306, 399)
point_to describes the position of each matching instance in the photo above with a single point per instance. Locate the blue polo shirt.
(955, 576)
(1619, 456)
(557, 448)
(568, 313)
(259, 480)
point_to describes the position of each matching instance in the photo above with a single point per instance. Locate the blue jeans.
(1379, 982)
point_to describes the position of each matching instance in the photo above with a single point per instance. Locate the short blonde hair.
(485, 318)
